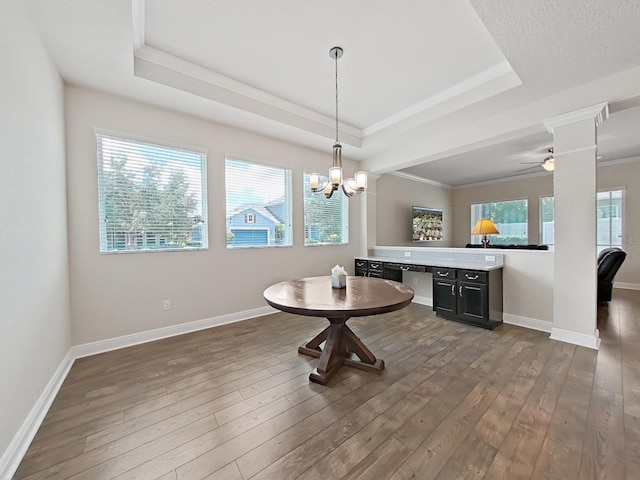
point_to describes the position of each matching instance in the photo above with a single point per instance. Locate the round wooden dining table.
(337, 345)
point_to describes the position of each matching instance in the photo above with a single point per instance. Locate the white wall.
(119, 294)
(34, 281)
(395, 197)
(527, 288)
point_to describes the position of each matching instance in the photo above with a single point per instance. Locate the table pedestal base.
(341, 347)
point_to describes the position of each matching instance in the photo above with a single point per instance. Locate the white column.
(368, 223)
(575, 251)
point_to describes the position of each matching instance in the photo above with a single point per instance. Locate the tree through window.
(151, 197)
(326, 220)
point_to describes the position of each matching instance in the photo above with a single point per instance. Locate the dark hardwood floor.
(455, 401)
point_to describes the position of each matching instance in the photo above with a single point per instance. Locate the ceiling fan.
(547, 164)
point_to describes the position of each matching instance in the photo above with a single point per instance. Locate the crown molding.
(619, 161)
(415, 178)
(599, 113)
(512, 178)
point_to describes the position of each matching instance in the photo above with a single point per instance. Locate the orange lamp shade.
(484, 226)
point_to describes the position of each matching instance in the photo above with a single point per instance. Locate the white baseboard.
(626, 286)
(581, 339)
(428, 301)
(110, 344)
(12, 456)
(532, 323)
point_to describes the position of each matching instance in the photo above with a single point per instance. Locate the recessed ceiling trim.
(161, 67)
(460, 88)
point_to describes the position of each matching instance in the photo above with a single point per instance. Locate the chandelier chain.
(336, 57)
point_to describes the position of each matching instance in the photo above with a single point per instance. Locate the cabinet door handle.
(470, 277)
(460, 290)
(453, 289)
(440, 274)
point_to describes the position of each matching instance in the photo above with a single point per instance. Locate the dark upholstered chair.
(609, 262)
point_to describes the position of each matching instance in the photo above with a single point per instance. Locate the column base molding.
(580, 339)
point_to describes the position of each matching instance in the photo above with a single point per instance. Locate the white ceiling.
(454, 92)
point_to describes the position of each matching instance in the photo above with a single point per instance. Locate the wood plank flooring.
(455, 402)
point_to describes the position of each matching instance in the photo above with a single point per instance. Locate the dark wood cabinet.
(368, 268)
(371, 268)
(465, 295)
(444, 297)
(468, 296)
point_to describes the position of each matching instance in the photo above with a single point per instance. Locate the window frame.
(541, 223)
(137, 141)
(254, 226)
(344, 207)
(599, 246)
(476, 239)
(622, 190)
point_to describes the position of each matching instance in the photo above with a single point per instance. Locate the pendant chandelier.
(358, 184)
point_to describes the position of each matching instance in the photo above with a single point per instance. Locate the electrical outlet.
(166, 305)
(489, 258)
(407, 254)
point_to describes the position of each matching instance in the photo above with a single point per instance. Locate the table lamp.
(484, 227)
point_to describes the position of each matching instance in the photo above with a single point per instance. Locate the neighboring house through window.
(326, 220)
(151, 197)
(258, 205)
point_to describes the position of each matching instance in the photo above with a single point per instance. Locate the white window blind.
(326, 220)
(510, 218)
(258, 205)
(151, 197)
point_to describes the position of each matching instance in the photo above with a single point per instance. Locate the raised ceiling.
(454, 92)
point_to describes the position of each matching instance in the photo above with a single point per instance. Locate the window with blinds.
(258, 205)
(151, 197)
(326, 221)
